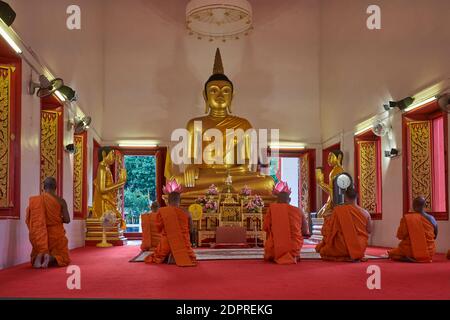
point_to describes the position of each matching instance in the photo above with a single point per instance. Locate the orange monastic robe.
(150, 231)
(416, 236)
(173, 225)
(283, 225)
(345, 235)
(46, 230)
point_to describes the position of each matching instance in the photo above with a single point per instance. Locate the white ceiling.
(139, 75)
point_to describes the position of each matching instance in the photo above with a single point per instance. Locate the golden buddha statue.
(198, 176)
(335, 161)
(105, 189)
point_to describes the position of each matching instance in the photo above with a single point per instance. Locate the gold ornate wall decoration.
(420, 161)
(5, 134)
(49, 145)
(78, 173)
(120, 164)
(368, 188)
(304, 187)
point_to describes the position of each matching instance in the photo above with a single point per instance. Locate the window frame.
(428, 111)
(9, 58)
(160, 154)
(289, 153)
(52, 103)
(81, 215)
(368, 135)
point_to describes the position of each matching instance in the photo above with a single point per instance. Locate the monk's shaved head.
(155, 206)
(351, 194)
(174, 199)
(283, 197)
(419, 204)
(50, 184)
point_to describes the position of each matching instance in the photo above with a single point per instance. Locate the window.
(80, 176)
(368, 172)
(10, 122)
(425, 159)
(297, 169)
(51, 141)
(140, 189)
(145, 180)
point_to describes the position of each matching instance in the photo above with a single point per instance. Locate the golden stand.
(104, 243)
(95, 232)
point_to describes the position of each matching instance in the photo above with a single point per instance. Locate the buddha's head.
(107, 155)
(335, 158)
(218, 92)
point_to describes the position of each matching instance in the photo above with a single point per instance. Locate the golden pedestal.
(94, 233)
(230, 213)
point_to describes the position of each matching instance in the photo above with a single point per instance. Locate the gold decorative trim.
(304, 178)
(49, 145)
(5, 135)
(368, 190)
(420, 162)
(78, 173)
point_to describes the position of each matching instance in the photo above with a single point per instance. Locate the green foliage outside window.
(140, 189)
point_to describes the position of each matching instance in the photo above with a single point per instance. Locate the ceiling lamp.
(218, 19)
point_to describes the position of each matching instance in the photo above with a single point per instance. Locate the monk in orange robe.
(285, 226)
(150, 229)
(346, 231)
(175, 225)
(46, 214)
(417, 232)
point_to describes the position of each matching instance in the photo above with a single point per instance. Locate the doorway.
(140, 189)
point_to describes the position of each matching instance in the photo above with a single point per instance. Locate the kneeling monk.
(150, 228)
(346, 231)
(46, 214)
(417, 232)
(285, 226)
(174, 225)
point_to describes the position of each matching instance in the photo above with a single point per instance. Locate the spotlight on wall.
(70, 148)
(45, 87)
(391, 153)
(81, 125)
(402, 104)
(66, 93)
(7, 14)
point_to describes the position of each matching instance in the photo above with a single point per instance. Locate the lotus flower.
(246, 191)
(280, 187)
(212, 190)
(172, 186)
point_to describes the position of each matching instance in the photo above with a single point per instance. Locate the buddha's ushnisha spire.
(218, 66)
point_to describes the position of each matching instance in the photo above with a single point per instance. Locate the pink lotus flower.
(246, 191)
(280, 187)
(172, 186)
(212, 190)
(255, 205)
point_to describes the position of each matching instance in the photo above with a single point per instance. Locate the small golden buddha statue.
(218, 95)
(105, 189)
(335, 158)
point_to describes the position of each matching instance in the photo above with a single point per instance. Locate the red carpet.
(106, 273)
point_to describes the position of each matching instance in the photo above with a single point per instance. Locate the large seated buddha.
(198, 176)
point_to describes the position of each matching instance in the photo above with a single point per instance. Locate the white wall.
(155, 71)
(362, 69)
(14, 244)
(77, 57)
(310, 68)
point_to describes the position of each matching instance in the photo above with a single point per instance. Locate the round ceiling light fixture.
(219, 20)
